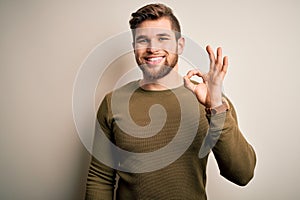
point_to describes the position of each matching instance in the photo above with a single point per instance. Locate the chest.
(148, 123)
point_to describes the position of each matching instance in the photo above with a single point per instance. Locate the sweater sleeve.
(235, 156)
(101, 179)
(100, 182)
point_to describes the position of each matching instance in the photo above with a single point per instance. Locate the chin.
(154, 75)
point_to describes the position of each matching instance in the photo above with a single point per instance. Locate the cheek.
(138, 53)
(140, 50)
(171, 48)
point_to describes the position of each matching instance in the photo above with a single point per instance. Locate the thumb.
(188, 84)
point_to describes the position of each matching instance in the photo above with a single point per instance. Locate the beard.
(154, 72)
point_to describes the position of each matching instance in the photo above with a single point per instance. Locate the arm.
(101, 179)
(235, 156)
(100, 182)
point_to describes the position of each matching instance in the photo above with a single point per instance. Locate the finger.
(225, 65)
(204, 78)
(188, 84)
(219, 57)
(194, 72)
(210, 54)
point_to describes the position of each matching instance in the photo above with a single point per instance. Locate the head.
(157, 40)
(154, 12)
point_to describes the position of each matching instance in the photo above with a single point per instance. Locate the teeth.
(155, 59)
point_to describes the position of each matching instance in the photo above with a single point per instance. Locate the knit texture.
(185, 178)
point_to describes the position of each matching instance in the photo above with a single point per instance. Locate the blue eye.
(163, 38)
(142, 41)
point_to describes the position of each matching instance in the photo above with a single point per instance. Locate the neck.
(170, 81)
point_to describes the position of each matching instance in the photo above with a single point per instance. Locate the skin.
(209, 93)
(156, 52)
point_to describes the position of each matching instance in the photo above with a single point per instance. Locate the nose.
(153, 46)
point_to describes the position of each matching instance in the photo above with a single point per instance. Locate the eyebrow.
(141, 37)
(164, 34)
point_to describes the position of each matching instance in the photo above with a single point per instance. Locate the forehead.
(161, 23)
(155, 27)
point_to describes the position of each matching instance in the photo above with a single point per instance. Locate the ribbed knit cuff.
(217, 121)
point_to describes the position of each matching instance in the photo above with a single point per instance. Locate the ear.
(180, 43)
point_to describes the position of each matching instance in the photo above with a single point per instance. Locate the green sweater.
(185, 177)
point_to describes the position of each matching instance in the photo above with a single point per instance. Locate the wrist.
(215, 100)
(218, 108)
(216, 104)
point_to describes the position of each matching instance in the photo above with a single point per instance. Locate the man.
(198, 112)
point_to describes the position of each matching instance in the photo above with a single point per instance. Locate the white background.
(43, 43)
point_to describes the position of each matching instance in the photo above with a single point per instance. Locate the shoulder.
(119, 94)
(133, 85)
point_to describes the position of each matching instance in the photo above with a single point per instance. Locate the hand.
(209, 93)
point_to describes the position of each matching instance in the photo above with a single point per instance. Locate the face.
(156, 48)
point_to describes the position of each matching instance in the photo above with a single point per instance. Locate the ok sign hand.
(209, 92)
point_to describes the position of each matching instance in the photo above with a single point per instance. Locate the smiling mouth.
(154, 60)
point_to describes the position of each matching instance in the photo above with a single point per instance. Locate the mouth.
(154, 60)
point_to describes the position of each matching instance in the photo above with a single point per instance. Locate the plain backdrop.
(43, 43)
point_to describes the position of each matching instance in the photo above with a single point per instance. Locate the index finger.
(194, 72)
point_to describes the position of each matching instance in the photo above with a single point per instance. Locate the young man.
(194, 115)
